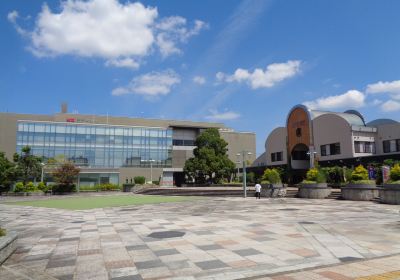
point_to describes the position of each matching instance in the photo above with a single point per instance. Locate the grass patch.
(84, 203)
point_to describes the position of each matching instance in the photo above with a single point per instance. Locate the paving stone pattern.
(223, 238)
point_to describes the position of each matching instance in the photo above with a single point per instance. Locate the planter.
(359, 192)
(8, 244)
(314, 191)
(390, 194)
(128, 187)
(273, 190)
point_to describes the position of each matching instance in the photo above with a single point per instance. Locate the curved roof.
(352, 117)
(379, 122)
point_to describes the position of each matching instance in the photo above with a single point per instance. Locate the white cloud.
(12, 17)
(199, 80)
(349, 99)
(390, 106)
(259, 78)
(150, 84)
(225, 116)
(393, 88)
(106, 29)
(174, 29)
(123, 63)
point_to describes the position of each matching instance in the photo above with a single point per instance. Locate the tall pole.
(41, 178)
(244, 176)
(151, 171)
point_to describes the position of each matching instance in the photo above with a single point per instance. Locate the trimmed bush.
(109, 187)
(140, 180)
(64, 188)
(272, 176)
(359, 174)
(395, 173)
(42, 186)
(19, 187)
(314, 176)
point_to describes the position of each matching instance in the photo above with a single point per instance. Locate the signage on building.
(71, 120)
(385, 173)
(371, 173)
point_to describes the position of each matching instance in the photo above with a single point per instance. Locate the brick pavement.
(213, 238)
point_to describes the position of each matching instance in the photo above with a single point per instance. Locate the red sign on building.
(71, 120)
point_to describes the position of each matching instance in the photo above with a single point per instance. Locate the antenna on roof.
(64, 108)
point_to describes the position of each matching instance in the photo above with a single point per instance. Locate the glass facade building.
(95, 145)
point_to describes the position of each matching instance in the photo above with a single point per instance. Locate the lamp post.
(151, 167)
(311, 153)
(42, 176)
(243, 154)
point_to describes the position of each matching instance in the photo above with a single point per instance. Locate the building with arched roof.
(313, 135)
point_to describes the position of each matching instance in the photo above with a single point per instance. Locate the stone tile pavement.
(212, 238)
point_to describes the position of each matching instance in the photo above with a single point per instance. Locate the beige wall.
(238, 142)
(276, 142)
(386, 132)
(8, 130)
(329, 129)
(180, 156)
(130, 172)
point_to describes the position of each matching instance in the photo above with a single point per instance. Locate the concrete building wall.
(276, 142)
(329, 129)
(130, 172)
(239, 141)
(386, 132)
(8, 130)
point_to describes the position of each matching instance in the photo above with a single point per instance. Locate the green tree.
(65, 174)
(27, 165)
(7, 173)
(210, 161)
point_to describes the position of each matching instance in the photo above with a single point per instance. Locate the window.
(391, 146)
(298, 132)
(330, 149)
(323, 150)
(364, 147)
(386, 146)
(278, 156)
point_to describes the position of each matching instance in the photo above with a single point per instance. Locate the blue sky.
(243, 63)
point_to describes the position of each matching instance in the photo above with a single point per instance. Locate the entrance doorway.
(300, 158)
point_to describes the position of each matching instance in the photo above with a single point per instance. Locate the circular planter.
(273, 190)
(314, 191)
(359, 192)
(390, 194)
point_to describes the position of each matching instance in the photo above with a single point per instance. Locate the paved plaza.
(210, 238)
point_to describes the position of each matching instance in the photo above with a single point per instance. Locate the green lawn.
(83, 203)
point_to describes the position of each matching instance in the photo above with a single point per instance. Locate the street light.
(243, 154)
(42, 177)
(311, 154)
(151, 167)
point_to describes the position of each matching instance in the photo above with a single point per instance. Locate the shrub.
(2, 232)
(334, 175)
(95, 188)
(395, 173)
(140, 180)
(250, 177)
(109, 187)
(30, 187)
(360, 173)
(314, 175)
(19, 187)
(42, 186)
(64, 188)
(272, 176)
(347, 174)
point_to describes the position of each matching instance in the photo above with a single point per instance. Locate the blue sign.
(371, 173)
